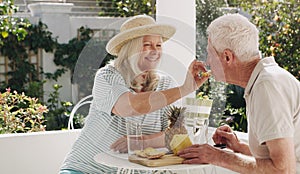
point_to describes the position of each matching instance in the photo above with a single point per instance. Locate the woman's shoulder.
(107, 70)
(109, 73)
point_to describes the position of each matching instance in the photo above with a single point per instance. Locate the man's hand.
(199, 154)
(225, 135)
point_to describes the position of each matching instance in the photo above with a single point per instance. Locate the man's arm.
(282, 158)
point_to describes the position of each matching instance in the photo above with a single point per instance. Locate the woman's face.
(151, 52)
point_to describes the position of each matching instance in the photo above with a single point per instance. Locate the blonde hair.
(234, 32)
(127, 64)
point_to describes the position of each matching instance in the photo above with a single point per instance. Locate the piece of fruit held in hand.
(205, 74)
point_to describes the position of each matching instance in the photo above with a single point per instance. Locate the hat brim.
(115, 44)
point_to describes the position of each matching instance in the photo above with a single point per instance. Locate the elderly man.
(272, 102)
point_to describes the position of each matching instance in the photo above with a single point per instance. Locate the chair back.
(84, 101)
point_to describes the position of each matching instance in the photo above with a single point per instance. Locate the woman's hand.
(156, 140)
(225, 135)
(120, 145)
(193, 80)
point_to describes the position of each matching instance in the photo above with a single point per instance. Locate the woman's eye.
(147, 44)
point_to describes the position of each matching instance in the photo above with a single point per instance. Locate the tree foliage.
(125, 8)
(22, 71)
(278, 23)
(206, 12)
(10, 25)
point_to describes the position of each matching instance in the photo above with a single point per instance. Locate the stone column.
(180, 50)
(56, 16)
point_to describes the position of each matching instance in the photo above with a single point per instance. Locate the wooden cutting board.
(166, 160)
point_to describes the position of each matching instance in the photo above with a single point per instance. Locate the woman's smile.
(152, 59)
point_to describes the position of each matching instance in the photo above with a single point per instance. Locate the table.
(115, 159)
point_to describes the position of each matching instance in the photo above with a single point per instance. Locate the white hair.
(236, 33)
(126, 62)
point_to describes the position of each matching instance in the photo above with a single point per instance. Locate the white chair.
(83, 101)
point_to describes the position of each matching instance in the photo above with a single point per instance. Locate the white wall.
(35, 153)
(180, 50)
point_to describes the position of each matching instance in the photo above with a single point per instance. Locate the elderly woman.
(129, 89)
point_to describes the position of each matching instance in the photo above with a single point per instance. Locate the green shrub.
(57, 117)
(278, 23)
(20, 113)
(59, 112)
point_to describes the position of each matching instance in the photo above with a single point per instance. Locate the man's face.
(215, 63)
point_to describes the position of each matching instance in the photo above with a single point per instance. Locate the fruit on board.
(150, 153)
(179, 142)
(175, 116)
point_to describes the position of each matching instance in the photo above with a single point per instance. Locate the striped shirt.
(102, 128)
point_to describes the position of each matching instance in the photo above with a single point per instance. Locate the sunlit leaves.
(125, 8)
(20, 113)
(278, 23)
(10, 25)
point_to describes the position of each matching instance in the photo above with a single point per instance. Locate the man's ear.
(228, 55)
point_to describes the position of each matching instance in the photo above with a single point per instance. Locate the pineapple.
(175, 115)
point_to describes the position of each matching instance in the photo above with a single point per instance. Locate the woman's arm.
(156, 140)
(130, 104)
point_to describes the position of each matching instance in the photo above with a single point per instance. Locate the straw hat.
(135, 27)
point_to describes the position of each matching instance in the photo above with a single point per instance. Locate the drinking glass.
(200, 130)
(197, 119)
(134, 137)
